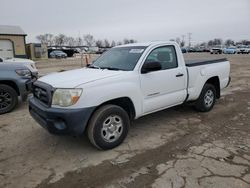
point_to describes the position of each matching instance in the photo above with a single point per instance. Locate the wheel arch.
(11, 84)
(215, 81)
(123, 102)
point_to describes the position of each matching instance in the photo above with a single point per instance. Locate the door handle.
(179, 75)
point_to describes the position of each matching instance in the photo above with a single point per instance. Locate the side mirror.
(1, 60)
(150, 66)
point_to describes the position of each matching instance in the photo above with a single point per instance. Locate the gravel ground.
(177, 147)
(55, 65)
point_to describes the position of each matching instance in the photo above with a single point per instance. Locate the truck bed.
(200, 70)
(195, 62)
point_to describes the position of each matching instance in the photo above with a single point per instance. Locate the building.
(36, 51)
(12, 42)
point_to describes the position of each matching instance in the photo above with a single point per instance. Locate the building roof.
(11, 30)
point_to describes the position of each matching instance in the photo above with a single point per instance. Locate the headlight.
(23, 73)
(66, 97)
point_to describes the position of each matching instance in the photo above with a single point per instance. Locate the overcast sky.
(143, 20)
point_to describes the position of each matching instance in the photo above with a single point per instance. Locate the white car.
(244, 49)
(125, 83)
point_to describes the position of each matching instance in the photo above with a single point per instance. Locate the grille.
(42, 92)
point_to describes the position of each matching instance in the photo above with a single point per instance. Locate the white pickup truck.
(125, 83)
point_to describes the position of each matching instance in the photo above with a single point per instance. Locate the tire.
(108, 127)
(207, 98)
(8, 99)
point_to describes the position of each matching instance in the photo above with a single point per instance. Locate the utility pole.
(189, 39)
(183, 39)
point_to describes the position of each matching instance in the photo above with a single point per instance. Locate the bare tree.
(60, 39)
(182, 44)
(125, 41)
(113, 44)
(128, 41)
(46, 39)
(132, 41)
(99, 43)
(106, 43)
(40, 38)
(210, 43)
(89, 39)
(78, 41)
(229, 42)
(178, 40)
(217, 41)
(50, 39)
(70, 41)
(119, 43)
(204, 44)
(245, 42)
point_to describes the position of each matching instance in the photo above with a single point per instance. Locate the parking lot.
(177, 147)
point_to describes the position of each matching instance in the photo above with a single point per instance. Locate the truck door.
(165, 87)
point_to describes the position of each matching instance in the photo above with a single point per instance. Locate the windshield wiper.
(110, 68)
(93, 67)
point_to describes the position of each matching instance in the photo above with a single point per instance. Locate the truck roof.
(147, 43)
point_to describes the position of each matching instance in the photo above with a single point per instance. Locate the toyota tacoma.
(123, 84)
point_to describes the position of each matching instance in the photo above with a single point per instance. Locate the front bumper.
(25, 86)
(60, 121)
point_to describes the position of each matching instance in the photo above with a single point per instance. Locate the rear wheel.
(8, 98)
(108, 127)
(206, 99)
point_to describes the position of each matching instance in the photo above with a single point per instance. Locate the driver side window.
(165, 55)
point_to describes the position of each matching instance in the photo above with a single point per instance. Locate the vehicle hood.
(26, 62)
(74, 78)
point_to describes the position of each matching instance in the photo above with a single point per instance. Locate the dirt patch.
(157, 147)
(221, 127)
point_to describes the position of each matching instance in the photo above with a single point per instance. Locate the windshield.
(120, 58)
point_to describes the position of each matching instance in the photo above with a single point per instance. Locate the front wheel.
(8, 98)
(108, 127)
(206, 99)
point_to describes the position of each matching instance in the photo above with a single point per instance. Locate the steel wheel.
(112, 128)
(209, 98)
(108, 126)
